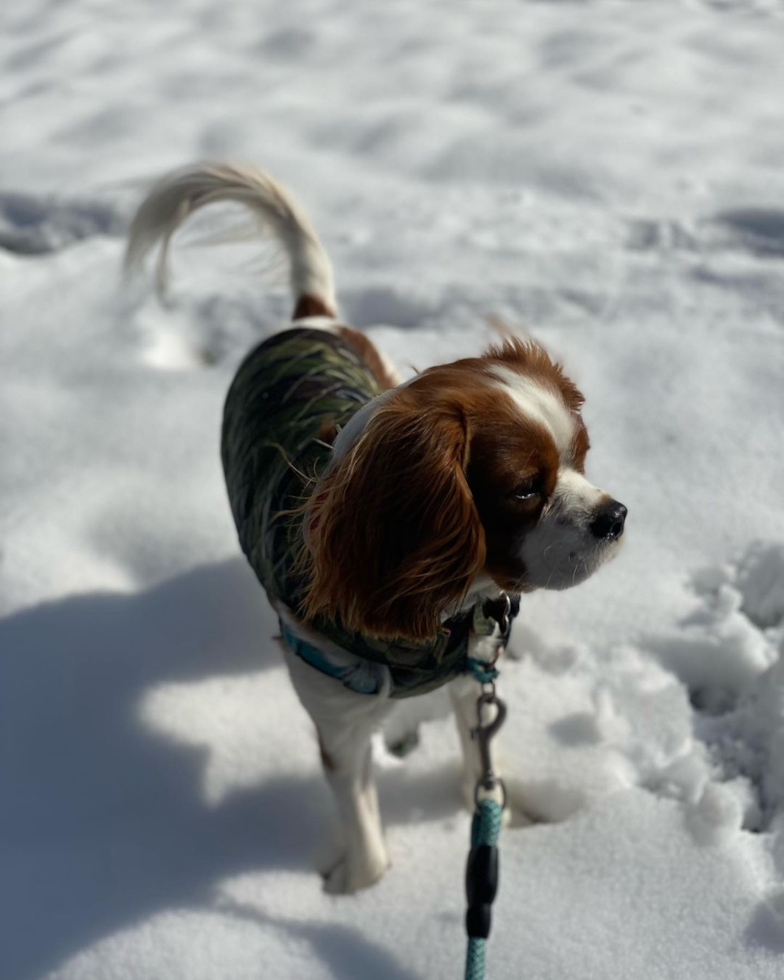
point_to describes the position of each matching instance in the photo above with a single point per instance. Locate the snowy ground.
(607, 174)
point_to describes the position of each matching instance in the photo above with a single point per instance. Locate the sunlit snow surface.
(609, 176)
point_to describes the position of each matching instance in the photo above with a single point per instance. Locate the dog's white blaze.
(575, 498)
(541, 404)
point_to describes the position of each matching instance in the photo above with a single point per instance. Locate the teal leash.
(482, 867)
(481, 883)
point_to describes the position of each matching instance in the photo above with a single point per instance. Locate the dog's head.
(470, 474)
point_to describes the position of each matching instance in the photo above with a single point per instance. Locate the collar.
(369, 666)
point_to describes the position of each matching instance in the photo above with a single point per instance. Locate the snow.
(607, 175)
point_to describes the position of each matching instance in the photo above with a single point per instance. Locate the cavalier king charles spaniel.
(392, 524)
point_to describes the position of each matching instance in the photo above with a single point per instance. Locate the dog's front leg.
(464, 692)
(347, 759)
(345, 722)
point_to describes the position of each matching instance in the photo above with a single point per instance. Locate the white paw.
(521, 813)
(329, 852)
(352, 873)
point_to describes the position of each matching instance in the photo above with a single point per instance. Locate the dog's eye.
(526, 491)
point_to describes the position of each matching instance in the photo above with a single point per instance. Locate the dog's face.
(545, 525)
(472, 471)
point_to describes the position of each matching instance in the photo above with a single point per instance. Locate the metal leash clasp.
(503, 622)
(484, 733)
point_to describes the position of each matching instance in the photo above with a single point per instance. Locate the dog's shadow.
(103, 821)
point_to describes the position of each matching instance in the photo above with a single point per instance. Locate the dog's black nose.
(608, 521)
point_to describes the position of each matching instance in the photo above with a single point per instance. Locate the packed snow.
(606, 175)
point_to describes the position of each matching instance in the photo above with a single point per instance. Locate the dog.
(394, 525)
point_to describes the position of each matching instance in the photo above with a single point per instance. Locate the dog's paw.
(329, 853)
(351, 874)
(519, 809)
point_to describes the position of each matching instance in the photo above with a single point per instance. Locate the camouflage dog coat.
(288, 392)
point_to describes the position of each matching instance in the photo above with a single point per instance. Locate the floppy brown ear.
(393, 537)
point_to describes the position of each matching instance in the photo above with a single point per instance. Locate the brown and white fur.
(491, 496)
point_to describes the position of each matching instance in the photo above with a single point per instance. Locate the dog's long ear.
(393, 535)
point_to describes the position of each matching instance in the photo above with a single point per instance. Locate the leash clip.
(484, 733)
(494, 611)
(503, 622)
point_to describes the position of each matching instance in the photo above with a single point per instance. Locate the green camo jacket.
(288, 390)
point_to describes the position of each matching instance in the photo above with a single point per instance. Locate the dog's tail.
(174, 198)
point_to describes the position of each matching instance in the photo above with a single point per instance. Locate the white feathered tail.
(175, 197)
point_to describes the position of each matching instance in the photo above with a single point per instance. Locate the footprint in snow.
(728, 653)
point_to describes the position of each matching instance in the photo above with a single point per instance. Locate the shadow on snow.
(103, 823)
